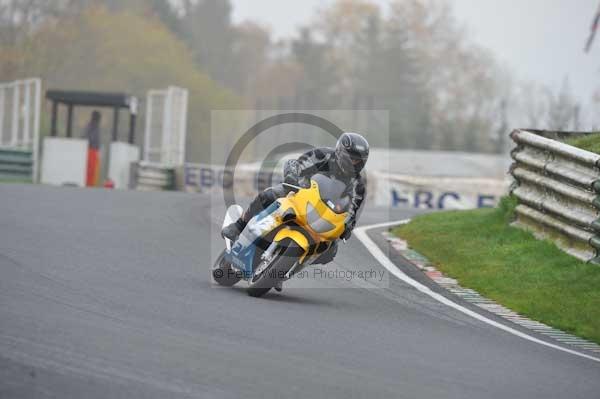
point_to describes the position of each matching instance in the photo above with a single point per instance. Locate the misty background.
(454, 76)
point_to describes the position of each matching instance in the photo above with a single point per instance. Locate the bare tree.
(19, 18)
(561, 108)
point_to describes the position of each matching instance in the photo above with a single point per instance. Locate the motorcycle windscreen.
(333, 192)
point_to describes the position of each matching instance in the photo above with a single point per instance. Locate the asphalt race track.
(108, 295)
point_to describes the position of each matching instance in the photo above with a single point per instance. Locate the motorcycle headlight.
(315, 221)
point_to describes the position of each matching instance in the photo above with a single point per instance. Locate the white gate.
(20, 103)
(166, 125)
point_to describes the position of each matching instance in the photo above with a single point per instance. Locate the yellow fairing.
(299, 201)
(295, 235)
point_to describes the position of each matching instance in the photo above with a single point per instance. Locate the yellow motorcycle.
(285, 237)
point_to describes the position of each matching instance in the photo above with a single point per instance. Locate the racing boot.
(278, 286)
(233, 230)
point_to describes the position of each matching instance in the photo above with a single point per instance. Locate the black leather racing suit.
(298, 171)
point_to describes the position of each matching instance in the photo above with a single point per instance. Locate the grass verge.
(589, 143)
(506, 264)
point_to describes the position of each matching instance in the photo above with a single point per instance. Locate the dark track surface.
(107, 295)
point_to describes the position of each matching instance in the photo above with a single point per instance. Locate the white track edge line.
(377, 253)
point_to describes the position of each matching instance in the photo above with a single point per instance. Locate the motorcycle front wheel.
(284, 259)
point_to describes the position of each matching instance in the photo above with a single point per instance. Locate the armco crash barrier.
(147, 176)
(16, 165)
(557, 187)
(383, 189)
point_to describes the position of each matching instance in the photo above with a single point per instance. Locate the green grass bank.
(532, 277)
(589, 143)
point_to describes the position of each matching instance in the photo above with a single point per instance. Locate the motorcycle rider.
(345, 163)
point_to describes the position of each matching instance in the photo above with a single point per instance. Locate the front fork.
(267, 256)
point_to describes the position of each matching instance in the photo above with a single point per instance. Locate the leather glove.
(348, 227)
(346, 234)
(291, 179)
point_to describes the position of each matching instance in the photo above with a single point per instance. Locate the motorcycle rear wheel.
(223, 273)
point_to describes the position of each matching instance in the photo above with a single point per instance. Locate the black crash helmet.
(352, 152)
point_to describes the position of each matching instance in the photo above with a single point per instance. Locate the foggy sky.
(540, 40)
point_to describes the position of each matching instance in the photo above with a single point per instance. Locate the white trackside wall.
(65, 161)
(121, 157)
(383, 189)
(427, 192)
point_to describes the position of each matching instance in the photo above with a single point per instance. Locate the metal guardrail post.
(16, 165)
(147, 176)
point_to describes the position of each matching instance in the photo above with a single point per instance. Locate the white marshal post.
(20, 104)
(166, 126)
